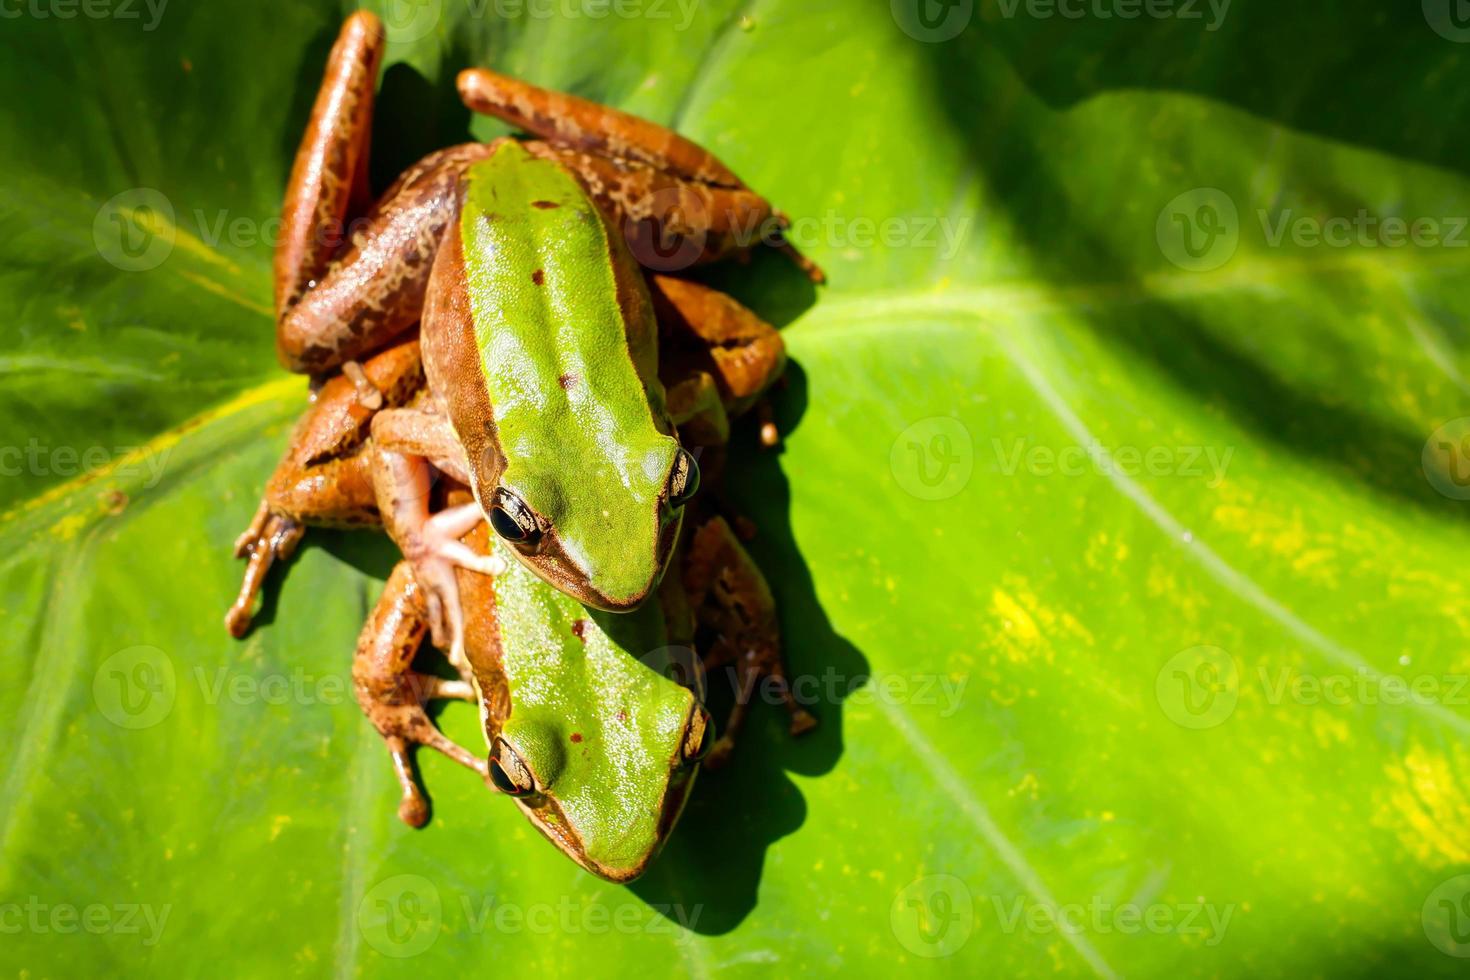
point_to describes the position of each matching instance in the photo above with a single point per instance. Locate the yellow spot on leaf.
(279, 824)
(1023, 628)
(1426, 805)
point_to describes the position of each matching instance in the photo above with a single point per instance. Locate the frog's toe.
(268, 539)
(802, 721)
(413, 808)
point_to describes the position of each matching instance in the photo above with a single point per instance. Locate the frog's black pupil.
(505, 525)
(502, 780)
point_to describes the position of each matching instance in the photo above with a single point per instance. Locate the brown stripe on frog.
(482, 639)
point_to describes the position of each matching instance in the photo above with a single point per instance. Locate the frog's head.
(540, 337)
(600, 747)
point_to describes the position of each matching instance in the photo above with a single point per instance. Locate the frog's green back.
(594, 715)
(578, 409)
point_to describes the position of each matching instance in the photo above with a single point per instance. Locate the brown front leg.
(325, 478)
(393, 695)
(731, 600)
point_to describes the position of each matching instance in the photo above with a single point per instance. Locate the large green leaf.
(1091, 687)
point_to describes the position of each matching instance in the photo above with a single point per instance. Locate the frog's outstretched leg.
(644, 171)
(732, 601)
(324, 478)
(393, 695)
(717, 358)
(329, 175)
(589, 126)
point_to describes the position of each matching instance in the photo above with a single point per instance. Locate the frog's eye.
(683, 478)
(699, 738)
(509, 772)
(512, 519)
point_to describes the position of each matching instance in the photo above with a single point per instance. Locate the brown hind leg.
(732, 601)
(717, 359)
(329, 177)
(641, 171)
(340, 296)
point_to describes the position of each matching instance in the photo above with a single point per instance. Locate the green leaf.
(1105, 521)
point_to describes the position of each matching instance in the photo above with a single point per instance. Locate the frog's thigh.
(329, 175)
(590, 126)
(375, 290)
(732, 599)
(393, 695)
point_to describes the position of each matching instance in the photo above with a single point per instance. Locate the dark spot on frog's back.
(539, 277)
(580, 629)
(567, 381)
(545, 205)
(576, 736)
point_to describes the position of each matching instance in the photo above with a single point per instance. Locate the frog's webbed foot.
(435, 553)
(402, 482)
(393, 695)
(732, 602)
